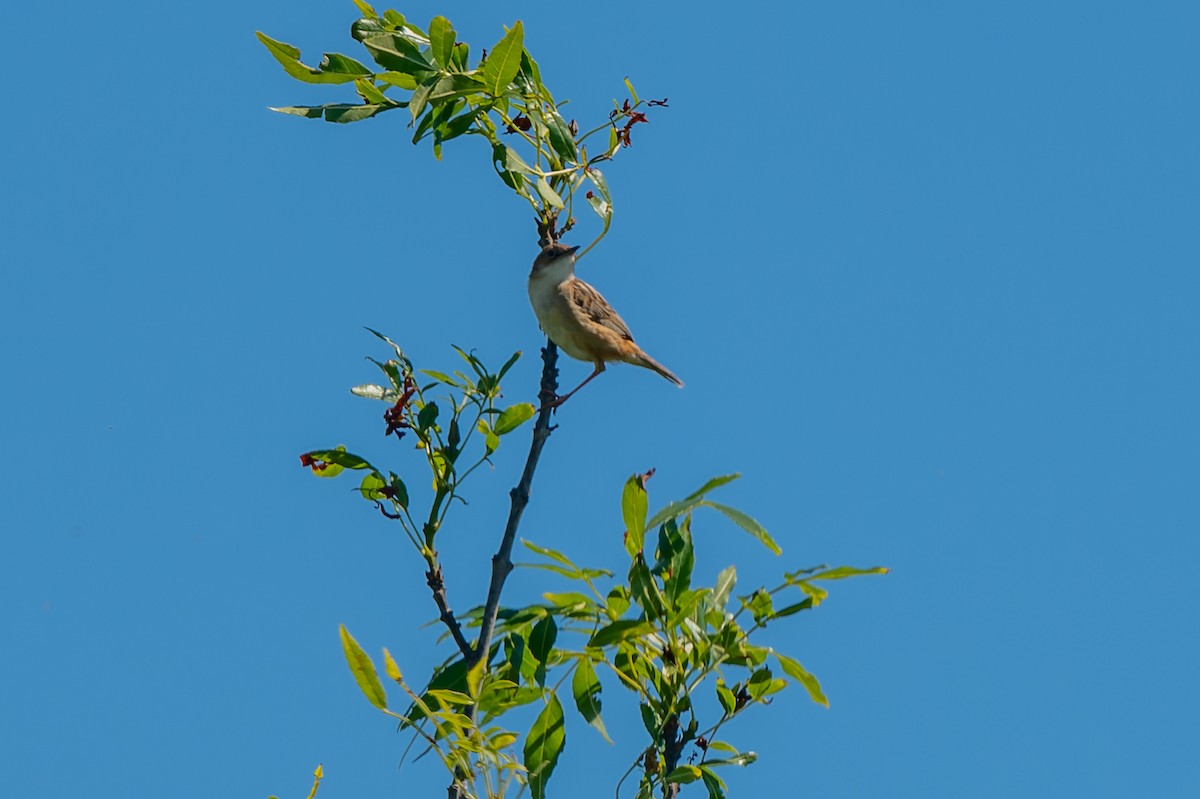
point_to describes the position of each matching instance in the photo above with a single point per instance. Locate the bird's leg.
(560, 400)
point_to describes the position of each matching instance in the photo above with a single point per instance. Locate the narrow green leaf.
(560, 137)
(504, 60)
(513, 162)
(396, 53)
(508, 365)
(680, 507)
(549, 194)
(620, 630)
(632, 93)
(748, 524)
(544, 744)
(310, 111)
(644, 590)
(338, 64)
(427, 416)
(738, 759)
(842, 572)
(363, 670)
(372, 391)
(791, 610)
(420, 99)
(633, 513)
(553, 554)
(714, 784)
(600, 206)
(389, 665)
(683, 774)
(340, 457)
(357, 113)
(441, 40)
(289, 58)
(365, 8)
(369, 92)
(513, 417)
(400, 80)
(725, 582)
(585, 686)
(793, 669)
(726, 698)
(542, 638)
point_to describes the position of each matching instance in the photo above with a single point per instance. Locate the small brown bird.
(579, 320)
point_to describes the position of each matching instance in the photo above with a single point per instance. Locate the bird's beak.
(571, 250)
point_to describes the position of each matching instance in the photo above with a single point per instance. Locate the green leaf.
(600, 206)
(371, 483)
(632, 93)
(738, 759)
(504, 61)
(585, 686)
(620, 630)
(441, 40)
(508, 365)
(513, 417)
(714, 784)
(725, 582)
(420, 98)
(513, 162)
(427, 416)
(543, 745)
(396, 53)
(399, 490)
(341, 458)
(644, 590)
(680, 507)
(842, 572)
(369, 92)
(791, 610)
(365, 8)
(389, 665)
(336, 63)
(761, 606)
(400, 80)
(553, 554)
(726, 698)
(793, 669)
(541, 640)
(367, 27)
(560, 136)
(289, 59)
(683, 774)
(548, 194)
(617, 601)
(363, 670)
(372, 391)
(748, 524)
(633, 512)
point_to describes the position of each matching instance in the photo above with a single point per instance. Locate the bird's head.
(555, 259)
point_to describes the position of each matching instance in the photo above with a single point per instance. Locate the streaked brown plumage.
(579, 320)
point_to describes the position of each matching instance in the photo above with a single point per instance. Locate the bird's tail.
(642, 359)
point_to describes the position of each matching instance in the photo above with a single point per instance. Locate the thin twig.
(433, 578)
(519, 496)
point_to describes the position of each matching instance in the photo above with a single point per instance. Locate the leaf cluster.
(654, 634)
(499, 96)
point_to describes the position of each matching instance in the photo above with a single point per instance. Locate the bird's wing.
(589, 302)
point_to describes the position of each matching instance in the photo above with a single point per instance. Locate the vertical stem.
(519, 498)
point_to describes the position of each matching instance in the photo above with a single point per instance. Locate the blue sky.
(930, 276)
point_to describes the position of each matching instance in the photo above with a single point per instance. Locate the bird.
(579, 320)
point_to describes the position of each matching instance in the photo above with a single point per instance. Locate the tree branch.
(433, 578)
(519, 496)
